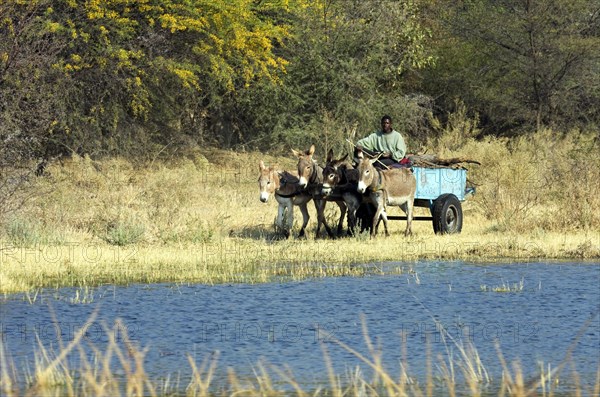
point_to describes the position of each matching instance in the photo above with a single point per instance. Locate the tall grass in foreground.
(454, 374)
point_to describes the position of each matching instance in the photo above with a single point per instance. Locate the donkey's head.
(268, 181)
(366, 172)
(307, 166)
(332, 172)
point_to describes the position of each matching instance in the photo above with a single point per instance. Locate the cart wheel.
(447, 215)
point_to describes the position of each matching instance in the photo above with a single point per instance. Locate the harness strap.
(294, 194)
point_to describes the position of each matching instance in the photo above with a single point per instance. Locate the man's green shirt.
(381, 142)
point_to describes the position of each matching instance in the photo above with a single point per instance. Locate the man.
(386, 141)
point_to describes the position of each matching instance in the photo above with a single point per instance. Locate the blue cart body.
(434, 182)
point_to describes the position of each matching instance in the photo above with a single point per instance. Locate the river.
(533, 313)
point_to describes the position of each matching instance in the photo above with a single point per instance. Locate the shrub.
(124, 233)
(23, 233)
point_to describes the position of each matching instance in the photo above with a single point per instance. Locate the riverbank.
(196, 217)
(246, 260)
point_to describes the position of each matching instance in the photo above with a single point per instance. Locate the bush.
(23, 233)
(124, 233)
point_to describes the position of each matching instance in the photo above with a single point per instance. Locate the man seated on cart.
(387, 142)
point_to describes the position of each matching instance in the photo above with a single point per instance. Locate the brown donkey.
(311, 181)
(284, 187)
(394, 187)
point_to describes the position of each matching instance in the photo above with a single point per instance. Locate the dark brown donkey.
(311, 180)
(340, 182)
(395, 187)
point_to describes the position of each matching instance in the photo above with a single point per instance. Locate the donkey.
(394, 187)
(340, 181)
(284, 187)
(310, 180)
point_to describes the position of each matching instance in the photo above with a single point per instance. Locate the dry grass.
(546, 181)
(196, 217)
(461, 373)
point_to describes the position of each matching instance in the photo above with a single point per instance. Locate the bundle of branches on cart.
(433, 161)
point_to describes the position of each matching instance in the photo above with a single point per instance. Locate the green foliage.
(348, 63)
(84, 74)
(30, 90)
(521, 65)
(105, 77)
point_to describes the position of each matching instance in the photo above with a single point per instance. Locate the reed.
(505, 287)
(196, 217)
(96, 374)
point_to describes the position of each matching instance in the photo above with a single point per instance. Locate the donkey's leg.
(343, 209)
(407, 207)
(305, 218)
(384, 202)
(385, 222)
(376, 221)
(378, 201)
(289, 213)
(352, 203)
(280, 227)
(320, 206)
(409, 217)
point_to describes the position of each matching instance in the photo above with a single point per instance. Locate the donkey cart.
(441, 190)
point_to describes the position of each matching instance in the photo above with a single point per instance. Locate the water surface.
(545, 311)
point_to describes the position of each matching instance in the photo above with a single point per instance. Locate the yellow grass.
(459, 373)
(196, 217)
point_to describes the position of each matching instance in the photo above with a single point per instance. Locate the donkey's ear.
(360, 155)
(330, 155)
(261, 165)
(273, 168)
(296, 153)
(343, 158)
(311, 151)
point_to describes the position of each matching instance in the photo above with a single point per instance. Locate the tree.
(520, 63)
(28, 96)
(132, 72)
(348, 61)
